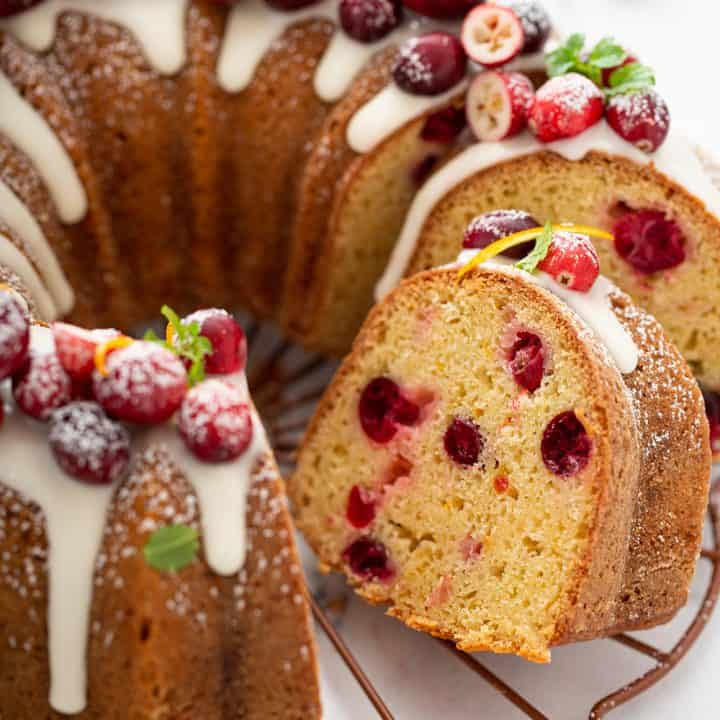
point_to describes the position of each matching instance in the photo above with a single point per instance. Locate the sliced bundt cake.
(147, 565)
(510, 459)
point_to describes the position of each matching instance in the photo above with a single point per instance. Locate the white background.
(420, 680)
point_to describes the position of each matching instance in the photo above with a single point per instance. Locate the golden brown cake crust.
(165, 646)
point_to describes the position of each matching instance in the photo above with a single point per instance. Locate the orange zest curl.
(518, 238)
(103, 350)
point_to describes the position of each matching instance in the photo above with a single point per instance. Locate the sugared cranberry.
(382, 408)
(641, 118)
(440, 9)
(498, 104)
(712, 410)
(76, 348)
(227, 338)
(287, 5)
(430, 64)
(492, 35)
(565, 106)
(14, 334)
(487, 228)
(648, 241)
(463, 441)
(535, 22)
(368, 559)
(444, 125)
(215, 421)
(145, 383)
(526, 360)
(360, 507)
(87, 444)
(369, 20)
(13, 7)
(42, 385)
(607, 72)
(566, 446)
(422, 171)
(572, 261)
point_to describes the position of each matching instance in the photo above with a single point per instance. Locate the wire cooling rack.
(287, 383)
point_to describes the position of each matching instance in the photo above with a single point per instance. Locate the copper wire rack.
(287, 383)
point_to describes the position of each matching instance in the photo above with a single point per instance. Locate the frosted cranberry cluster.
(91, 387)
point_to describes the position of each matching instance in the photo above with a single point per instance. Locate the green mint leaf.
(575, 43)
(630, 78)
(151, 336)
(566, 57)
(542, 244)
(606, 54)
(172, 548)
(187, 343)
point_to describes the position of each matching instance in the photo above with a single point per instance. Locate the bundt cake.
(510, 458)
(130, 586)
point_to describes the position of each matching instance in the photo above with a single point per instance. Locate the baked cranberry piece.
(526, 360)
(13, 7)
(360, 507)
(641, 118)
(226, 337)
(572, 261)
(492, 35)
(369, 20)
(712, 410)
(76, 348)
(535, 22)
(501, 484)
(430, 64)
(368, 559)
(87, 444)
(463, 442)
(566, 446)
(382, 408)
(487, 228)
(648, 241)
(42, 385)
(444, 125)
(14, 334)
(145, 383)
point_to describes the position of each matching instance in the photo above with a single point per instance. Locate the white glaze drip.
(75, 519)
(675, 159)
(19, 219)
(388, 111)
(75, 515)
(26, 128)
(159, 26)
(593, 308)
(14, 260)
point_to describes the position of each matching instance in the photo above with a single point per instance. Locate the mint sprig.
(186, 343)
(572, 57)
(542, 246)
(172, 548)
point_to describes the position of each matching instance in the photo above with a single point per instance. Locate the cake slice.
(510, 459)
(147, 561)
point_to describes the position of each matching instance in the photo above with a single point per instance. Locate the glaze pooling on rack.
(75, 516)
(675, 159)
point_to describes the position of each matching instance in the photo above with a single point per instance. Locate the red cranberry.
(440, 9)
(712, 410)
(76, 348)
(145, 383)
(42, 385)
(369, 20)
(14, 334)
(422, 171)
(87, 444)
(463, 441)
(13, 7)
(535, 22)
(444, 125)
(287, 5)
(487, 228)
(227, 338)
(526, 360)
(430, 64)
(565, 106)
(501, 484)
(215, 421)
(492, 35)
(360, 507)
(368, 559)
(641, 118)
(382, 408)
(566, 446)
(648, 241)
(572, 261)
